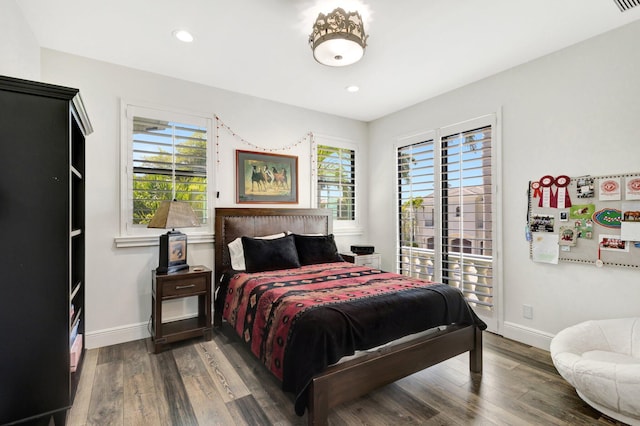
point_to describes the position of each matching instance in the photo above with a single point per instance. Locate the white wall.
(573, 112)
(19, 49)
(118, 295)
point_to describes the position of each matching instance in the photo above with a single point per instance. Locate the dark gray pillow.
(270, 255)
(317, 249)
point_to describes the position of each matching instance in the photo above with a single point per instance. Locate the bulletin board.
(585, 219)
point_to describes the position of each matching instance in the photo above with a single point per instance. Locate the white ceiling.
(417, 49)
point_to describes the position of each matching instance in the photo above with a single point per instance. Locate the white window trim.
(340, 227)
(138, 236)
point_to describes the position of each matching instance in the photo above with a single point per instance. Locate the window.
(429, 217)
(336, 181)
(452, 170)
(167, 157)
(430, 243)
(169, 163)
(479, 208)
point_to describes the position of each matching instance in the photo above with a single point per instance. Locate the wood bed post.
(318, 408)
(475, 354)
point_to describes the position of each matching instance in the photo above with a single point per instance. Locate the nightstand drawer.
(182, 287)
(371, 260)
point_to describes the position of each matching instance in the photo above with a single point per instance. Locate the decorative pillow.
(236, 252)
(317, 249)
(306, 235)
(270, 255)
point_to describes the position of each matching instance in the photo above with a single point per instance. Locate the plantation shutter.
(445, 211)
(336, 181)
(169, 162)
(416, 165)
(466, 196)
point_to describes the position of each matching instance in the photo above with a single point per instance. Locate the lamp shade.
(338, 52)
(174, 214)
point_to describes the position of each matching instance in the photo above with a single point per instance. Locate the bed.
(320, 384)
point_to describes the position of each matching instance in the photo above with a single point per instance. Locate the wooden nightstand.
(193, 282)
(371, 260)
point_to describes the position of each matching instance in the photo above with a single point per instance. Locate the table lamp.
(173, 244)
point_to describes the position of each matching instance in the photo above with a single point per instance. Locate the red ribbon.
(536, 189)
(561, 183)
(547, 194)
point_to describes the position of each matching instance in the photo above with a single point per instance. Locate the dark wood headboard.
(231, 223)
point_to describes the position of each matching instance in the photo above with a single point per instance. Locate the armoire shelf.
(42, 212)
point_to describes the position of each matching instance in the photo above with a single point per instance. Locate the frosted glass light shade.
(338, 52)
(338, 38)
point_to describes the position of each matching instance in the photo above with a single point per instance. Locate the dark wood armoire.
(42, 252)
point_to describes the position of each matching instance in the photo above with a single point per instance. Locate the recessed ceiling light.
(352, 89)
(183, 35)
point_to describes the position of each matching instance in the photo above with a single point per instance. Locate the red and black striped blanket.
(299, 321)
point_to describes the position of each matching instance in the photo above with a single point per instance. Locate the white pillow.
(236, 251)
(307, 235)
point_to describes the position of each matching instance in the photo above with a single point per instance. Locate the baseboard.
(126, 333)
(113, 336)
(526, 335)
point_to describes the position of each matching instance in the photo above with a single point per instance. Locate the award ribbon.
(536, 189)
(547, 194)
(562, 195)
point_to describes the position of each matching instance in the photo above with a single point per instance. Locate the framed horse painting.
(266, 178)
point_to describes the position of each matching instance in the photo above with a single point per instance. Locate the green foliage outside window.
(169, 162)
(336, 181)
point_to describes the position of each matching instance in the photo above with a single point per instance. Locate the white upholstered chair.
(601, 359)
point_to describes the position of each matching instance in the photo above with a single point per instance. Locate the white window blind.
(445, 229)
(415, 164)
(336, 181)
(466, 197)
(169, 162)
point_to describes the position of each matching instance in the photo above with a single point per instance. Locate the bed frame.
(348, 380)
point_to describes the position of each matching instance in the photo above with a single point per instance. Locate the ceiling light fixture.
(338, 39)
(352, 89)
(183, 35)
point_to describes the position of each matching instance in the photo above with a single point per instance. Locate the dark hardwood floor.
(220, 383)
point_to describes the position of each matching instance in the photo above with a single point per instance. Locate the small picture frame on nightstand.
(173, 252)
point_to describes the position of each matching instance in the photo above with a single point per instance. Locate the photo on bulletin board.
(541, 223)
(568, 236)
(584, 185)
(630, 225)
(581, 211)
(613, 243)
(584, 228)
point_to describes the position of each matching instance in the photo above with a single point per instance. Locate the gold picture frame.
(266, 178)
